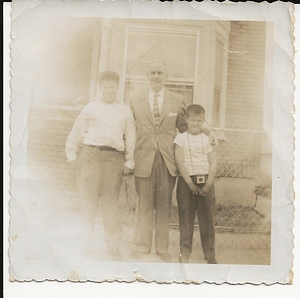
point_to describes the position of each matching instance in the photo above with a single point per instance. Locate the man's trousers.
(101, 181)
(155, 193)
(188, 204)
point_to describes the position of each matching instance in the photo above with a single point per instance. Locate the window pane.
(184, 90)
(177, 50)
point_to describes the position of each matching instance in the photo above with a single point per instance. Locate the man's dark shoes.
(137, 255)
(184, 259)
(165, 257)
(211, 260)
(115, 255)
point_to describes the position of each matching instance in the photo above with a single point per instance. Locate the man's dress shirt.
(160, 99)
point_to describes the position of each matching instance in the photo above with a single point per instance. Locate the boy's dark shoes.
(115, 254)
(165, 257)
(211, 261)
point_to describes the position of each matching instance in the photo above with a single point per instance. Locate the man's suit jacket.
(149, 138)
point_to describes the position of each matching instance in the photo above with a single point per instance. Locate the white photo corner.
(152, 141)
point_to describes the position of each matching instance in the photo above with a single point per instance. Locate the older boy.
(197, 163)
(107, 130)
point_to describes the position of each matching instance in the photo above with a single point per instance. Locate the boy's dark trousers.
(187, 206)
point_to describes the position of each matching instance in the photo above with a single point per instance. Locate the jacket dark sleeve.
(181, 124)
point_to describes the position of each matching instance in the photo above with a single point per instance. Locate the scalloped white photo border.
(281, 14)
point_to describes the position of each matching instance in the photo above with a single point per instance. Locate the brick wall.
(245, 88)
(46, 150)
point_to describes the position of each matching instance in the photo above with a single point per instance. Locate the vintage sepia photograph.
(143, 141)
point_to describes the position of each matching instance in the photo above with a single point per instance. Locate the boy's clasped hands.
(198, 191)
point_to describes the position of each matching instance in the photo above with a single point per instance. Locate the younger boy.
(107, 130)
(197, 163)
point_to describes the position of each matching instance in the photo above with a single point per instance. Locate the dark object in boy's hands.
(199, 179)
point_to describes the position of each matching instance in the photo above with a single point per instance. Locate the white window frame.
(220, 34)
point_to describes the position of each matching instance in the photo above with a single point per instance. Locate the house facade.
(218, 64)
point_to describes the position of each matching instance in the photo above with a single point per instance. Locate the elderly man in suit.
(158, 113)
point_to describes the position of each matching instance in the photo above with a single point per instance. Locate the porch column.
(105, 45)
(95, 63)
(100, 61)
(104, 55)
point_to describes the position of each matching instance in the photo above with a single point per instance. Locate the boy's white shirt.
(103, 124)
(195, 152)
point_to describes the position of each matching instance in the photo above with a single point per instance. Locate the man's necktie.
(156, 113)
